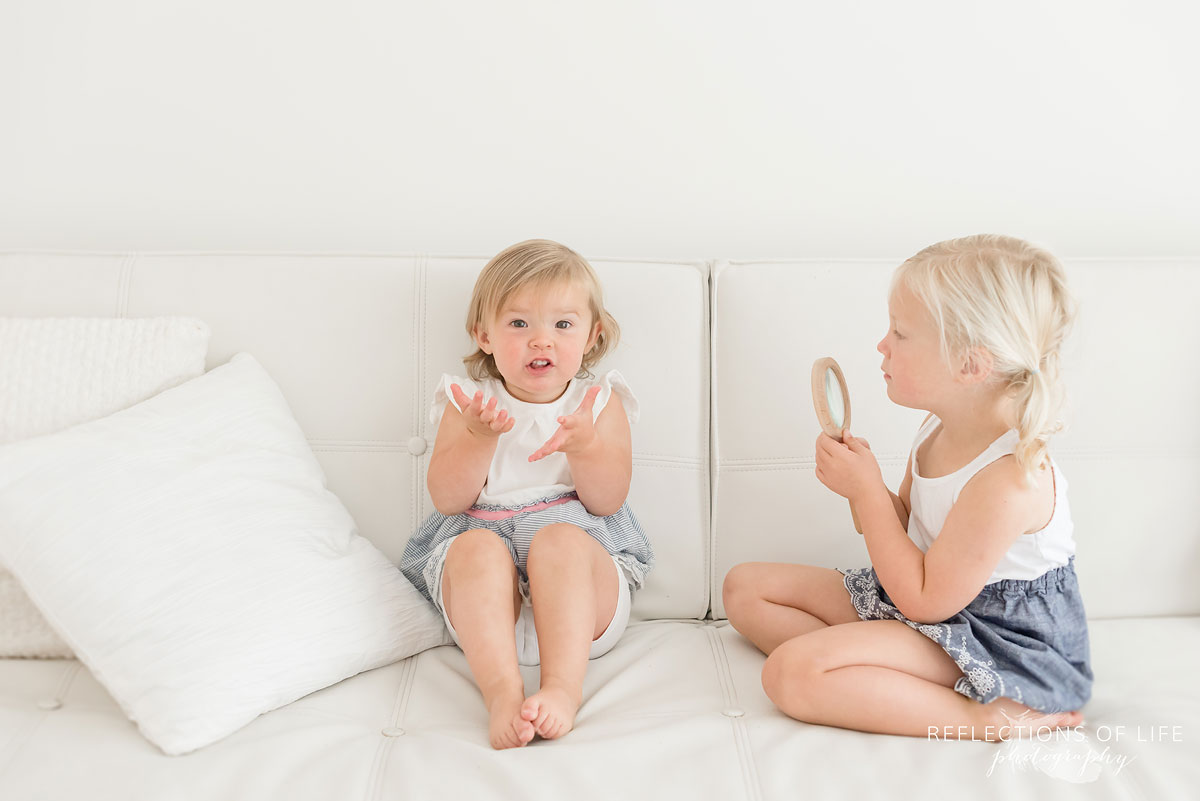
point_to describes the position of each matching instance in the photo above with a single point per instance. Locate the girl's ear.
(594, 338)
(481, 339)
(977, 365)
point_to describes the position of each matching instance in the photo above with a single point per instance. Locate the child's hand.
(847, 467)
(482, 420)
(575, 432)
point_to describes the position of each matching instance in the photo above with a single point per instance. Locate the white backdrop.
(640, 129)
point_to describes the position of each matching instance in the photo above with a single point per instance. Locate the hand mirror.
(831, 399)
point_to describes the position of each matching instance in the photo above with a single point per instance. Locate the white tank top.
(512, 479)
(931, 498)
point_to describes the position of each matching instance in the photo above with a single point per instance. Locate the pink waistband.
(504, 514)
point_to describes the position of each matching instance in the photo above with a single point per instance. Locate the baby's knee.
(476, 546)
(556, 541)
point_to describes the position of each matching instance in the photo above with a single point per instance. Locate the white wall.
(666, 129)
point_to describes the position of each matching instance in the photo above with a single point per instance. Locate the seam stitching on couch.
(20, 738)
(714, 441)
(422, 367)
(68, 678)
(375, 777)
(709, 551)
(741, 737)
(24, 735)
(801, 459)
(416, 346)
(123, 283)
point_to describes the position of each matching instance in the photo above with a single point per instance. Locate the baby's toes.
(523, 730)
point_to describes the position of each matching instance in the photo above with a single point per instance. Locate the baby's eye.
(563, 324)
(518, 323)
(897, 333)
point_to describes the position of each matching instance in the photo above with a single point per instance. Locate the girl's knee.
(739, 589)
(735, 588)
(788, 675)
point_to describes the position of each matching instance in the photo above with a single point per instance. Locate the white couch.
(719, 355)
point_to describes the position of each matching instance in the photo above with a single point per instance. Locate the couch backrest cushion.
(1131, 454)
(357, 342)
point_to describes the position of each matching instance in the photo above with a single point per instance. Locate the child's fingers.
(855, 444)
(827, 444)
(460, 397)
(552, 445)
(489, 412)
(476, 404)
(589, 399)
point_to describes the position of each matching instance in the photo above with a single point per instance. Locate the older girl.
(969, 622)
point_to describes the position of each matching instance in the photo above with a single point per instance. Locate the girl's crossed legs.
(825, 665)
(573, 584)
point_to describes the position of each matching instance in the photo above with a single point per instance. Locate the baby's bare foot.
(551, 711)
(507, 729)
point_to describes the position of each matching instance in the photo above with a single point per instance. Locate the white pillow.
(57, 372)
(188, 550)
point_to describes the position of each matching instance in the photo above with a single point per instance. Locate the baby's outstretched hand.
(575, 431)
(847, 467)
(482, 419)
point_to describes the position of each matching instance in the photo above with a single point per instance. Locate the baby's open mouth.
(538, 364)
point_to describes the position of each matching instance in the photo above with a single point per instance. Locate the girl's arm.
(901, 500)
(600, 454)
(462, 453)
(993, 509)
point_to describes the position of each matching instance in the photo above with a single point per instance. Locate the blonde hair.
(1010, 298)
(537, 263)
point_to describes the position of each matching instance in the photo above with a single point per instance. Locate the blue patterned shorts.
(619, 533)
(1025, 640)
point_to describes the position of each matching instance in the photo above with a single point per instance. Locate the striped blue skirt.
(619, 533)
(1025, 640)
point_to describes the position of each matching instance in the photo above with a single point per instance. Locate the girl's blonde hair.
(1010, 298)
(537, 263)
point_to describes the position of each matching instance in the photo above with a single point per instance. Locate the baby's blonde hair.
(537, 263)
(1010, 298)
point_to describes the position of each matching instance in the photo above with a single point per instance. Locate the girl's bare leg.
(479, 592)
(770, 603)
(573, 586)
(883, 676)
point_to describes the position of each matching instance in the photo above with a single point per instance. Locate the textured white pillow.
(188, 550)
(57, 372)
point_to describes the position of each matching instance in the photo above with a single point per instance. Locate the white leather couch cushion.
(1131, 452)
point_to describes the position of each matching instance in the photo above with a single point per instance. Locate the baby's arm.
(462, 454)
(602, 470)
(599, 453)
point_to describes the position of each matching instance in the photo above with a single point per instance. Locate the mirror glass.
(833, 397)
